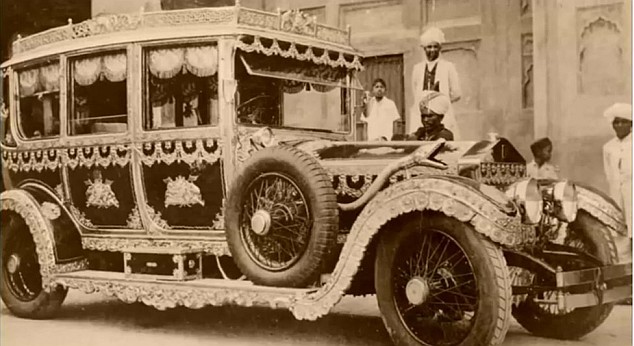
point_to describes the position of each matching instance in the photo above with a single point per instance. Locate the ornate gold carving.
(166, 295)
(50, 211)
(102, 156)
(405, 197)
(99, 193)
(156, 217)
(297, 22)
(81, 217)
(291, 21)
(182, 192)
(190, 152)
(603, 210)
(26, 161)
(329, 34)
(498, 173)
(134, 219)
(219, 221)
(258, 18)
(343, 187)
(212, 247)
(59, 191)
(292, 52)
(74, 266)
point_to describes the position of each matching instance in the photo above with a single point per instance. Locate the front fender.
(452, 198)
(604, 209)
(34, 215)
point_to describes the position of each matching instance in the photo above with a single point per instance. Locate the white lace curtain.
(200, 61)
(112, 67)
(44, 78)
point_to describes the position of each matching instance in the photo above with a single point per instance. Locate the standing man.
(380, 113)
(617, 161)
(435, 74)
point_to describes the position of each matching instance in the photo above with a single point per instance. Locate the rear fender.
(42, 217)
(450, 197)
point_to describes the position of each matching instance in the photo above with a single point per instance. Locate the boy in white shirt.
(380, 113)
(540, 167)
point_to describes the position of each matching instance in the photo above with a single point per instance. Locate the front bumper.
(590, 287)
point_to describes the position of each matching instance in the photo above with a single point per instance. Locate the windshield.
(287, 93)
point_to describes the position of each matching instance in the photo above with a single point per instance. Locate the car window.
(4, 111)
(279, 92)
(98, 94)
(181, 84)
(38, 108)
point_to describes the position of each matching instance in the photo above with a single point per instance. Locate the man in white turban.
(436, 74)
(433, 107)
(617, 159)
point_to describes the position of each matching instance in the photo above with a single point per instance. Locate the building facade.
(528, 68)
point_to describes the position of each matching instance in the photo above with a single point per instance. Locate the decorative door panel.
(183, 184)
(100, 185)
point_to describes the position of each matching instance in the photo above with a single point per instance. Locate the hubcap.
(261, 222)
(417, 290)
(13, 263)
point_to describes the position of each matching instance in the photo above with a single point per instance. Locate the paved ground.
(95, 320)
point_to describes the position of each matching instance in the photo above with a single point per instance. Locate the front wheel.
(439, 282)
(546, 320)
(21, 284)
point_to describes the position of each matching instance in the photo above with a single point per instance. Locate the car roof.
(291, 26)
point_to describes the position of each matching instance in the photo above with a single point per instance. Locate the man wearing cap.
(433, 107)
(436, 74)
(617, 159)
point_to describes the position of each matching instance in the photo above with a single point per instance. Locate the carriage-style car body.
(207, 157)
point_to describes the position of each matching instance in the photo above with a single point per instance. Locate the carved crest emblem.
(182, 192)
(298, 22)
(99, 193)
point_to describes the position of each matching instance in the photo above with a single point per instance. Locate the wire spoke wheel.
(21, 281)
(276, 221)
(547, 320)
(434, 279)
(20, 267)
(442, 313)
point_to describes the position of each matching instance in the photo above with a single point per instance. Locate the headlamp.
(565, 197)
(527, 194)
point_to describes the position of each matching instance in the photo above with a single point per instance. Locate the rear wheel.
(21, 286)
(546, 320)
(439, 282)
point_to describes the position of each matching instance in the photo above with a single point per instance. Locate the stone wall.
(583, 65)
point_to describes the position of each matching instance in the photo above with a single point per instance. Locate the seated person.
(433, 107)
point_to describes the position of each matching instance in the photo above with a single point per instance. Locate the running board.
(195, 294)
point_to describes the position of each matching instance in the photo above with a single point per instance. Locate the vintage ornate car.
(207, 157)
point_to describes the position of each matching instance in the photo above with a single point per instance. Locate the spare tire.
(282, 218)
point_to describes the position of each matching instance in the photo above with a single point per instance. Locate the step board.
(163, 294)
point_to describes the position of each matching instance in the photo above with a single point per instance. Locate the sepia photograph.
(316, 172)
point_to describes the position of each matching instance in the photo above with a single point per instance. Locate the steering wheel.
(252, 115)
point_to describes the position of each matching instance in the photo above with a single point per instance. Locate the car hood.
(464, 158)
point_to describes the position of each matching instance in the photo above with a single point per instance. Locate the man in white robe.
(617, 162)
(436, 74)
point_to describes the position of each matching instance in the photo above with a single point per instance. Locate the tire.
(21, 284)
(477, 281)
(581, 321)
(290, 189)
